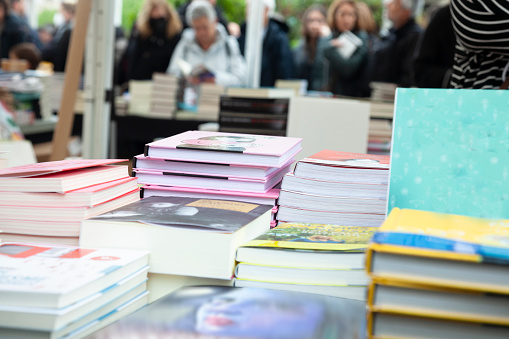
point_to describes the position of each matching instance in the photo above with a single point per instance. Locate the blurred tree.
(46, 17)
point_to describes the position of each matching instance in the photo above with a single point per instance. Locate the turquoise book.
(450, 152)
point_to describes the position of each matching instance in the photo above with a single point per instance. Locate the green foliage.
(234, 10)
(46, 17)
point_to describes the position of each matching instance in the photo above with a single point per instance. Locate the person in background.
(56, 51)
(219, 14)
(277, 60)
(342, 17)
(153, 39)
(26, 51)
(394, 59)
(481, 58)
(18, 8)
(308, 59)
(366, 22)
(12, 32)
(46, 33)
(435, 52)
(207, 45)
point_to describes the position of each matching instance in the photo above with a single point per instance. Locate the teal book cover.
(450, 152)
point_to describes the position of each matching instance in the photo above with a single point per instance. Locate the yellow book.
(441, 249)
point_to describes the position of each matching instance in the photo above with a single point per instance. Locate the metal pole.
(254, 42)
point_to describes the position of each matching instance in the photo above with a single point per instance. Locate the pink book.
(209, 182)
(88, 196)
(228, 148)
(268, 198)
(43, 168)
(141, 162)
(63, 181)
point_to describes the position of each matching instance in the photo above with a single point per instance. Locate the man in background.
(395, 57)
(277, 59)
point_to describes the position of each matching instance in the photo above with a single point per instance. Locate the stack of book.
(208, 101)
(164, 95)
(314, 258)
(191, 240)
(438, 275)
(51, 95)
(140, 97)
(217, 165)
(46, 202)
(338, 188)
(383, 91)
(56, 292)
(259, 111)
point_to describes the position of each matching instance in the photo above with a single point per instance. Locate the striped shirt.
(482, 42)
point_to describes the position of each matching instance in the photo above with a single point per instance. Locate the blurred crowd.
(341, 48)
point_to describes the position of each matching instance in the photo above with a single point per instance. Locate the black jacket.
(435, 55)
(145, 56)
(395, 59)
(12, 34)
(277, 59)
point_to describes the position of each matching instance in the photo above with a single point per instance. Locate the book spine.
(254, 105)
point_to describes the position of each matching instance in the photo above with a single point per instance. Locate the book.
(63, 181)
(227, 312)
(306, 215)
(51, 167)
(65, 213)
(218, 181)
(262, 92)
(249, 106)
(441, 250)
(268, 198)
(57, 319)
(349, 43)
(141, 162)
(232, 148)
(40, 239)
(326, 160)
(387, 325)
(331, 188)
(201, 235)
(117, 309)
(348, 292)
(317, 202)
(438, 302)
(300, 86)
(450, 143)
(309, 245)
(58, 276)
(81, 197)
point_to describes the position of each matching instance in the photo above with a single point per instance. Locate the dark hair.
(6, 4)
(311, 42)
(27, 51)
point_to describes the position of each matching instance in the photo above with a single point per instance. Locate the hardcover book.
(201, 235)
(227, 312)
(449, 152)
(232, 148)
(58, 276)
(442, 250)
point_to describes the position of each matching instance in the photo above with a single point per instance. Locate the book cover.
(315, 237)
(228, 142)
(57, 276)
(207, 214)
(485, 239)
(228, 312)
(348, 159)
(49, 167)
(449, 152)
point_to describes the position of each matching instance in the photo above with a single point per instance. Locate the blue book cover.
(450, 152)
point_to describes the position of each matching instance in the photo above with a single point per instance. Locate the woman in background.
(153, 39)
(307, 57)
(345, 70)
